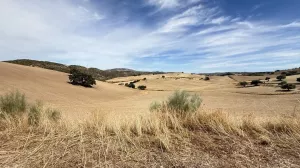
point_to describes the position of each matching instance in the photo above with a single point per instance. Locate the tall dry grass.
(164, 136)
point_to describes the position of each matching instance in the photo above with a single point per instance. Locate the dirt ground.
(77, 102)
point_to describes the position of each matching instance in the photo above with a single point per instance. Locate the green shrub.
(256, 82)
(80, 78)
(298, 79)
(34, 114)
(142, 87)
(280, 77)
(183, 102)
(288, 86)
(206, 78)
(244, 83)
(13, 103)
(53, 115)
(131, 85)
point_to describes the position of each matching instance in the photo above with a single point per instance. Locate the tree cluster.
(77, 77)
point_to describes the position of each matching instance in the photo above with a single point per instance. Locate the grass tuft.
(13, 104)
(53, 115)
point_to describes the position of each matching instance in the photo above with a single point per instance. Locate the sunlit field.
(212, 123)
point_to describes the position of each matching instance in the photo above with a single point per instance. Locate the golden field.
(52, 88)
(111, 125)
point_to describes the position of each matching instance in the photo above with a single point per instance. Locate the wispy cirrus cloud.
(182, 35)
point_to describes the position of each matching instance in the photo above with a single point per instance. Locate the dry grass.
(162, 137)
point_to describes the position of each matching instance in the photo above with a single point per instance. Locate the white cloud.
(81, 35)
(220, 20)
(165, 3)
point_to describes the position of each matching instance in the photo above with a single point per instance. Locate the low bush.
(298, 79)
(256, 82)
(145, 79)
(142, 87)
(244, 83)
(280, 77)
(288, 86)
(206, 78)
(131, 85)
(135, 81)
(267, 79)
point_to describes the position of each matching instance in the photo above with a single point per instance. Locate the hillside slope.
(53, 87)
(95, 72)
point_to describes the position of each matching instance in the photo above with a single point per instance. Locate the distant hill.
(287, 72)
(98, 74)
(120, 69)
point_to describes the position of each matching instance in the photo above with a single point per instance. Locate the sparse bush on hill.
(95, 72)
(298, 79)
(145, 79)
(142, 87)
(131, 85)
(280, 77)
(256, 82)
(163, 76)
(267, 79)
(288, 86)
(80, 78)
(244, 83)
(206, 78)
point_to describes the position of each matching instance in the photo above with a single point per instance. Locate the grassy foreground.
(174, 133)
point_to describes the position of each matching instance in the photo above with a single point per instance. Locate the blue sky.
(165, 35)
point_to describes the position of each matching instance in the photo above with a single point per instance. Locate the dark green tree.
(142, 87)
(77, 77)
(288, 86)
(256, 82)
(131, 85)
(244, 83)
(280, 77)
